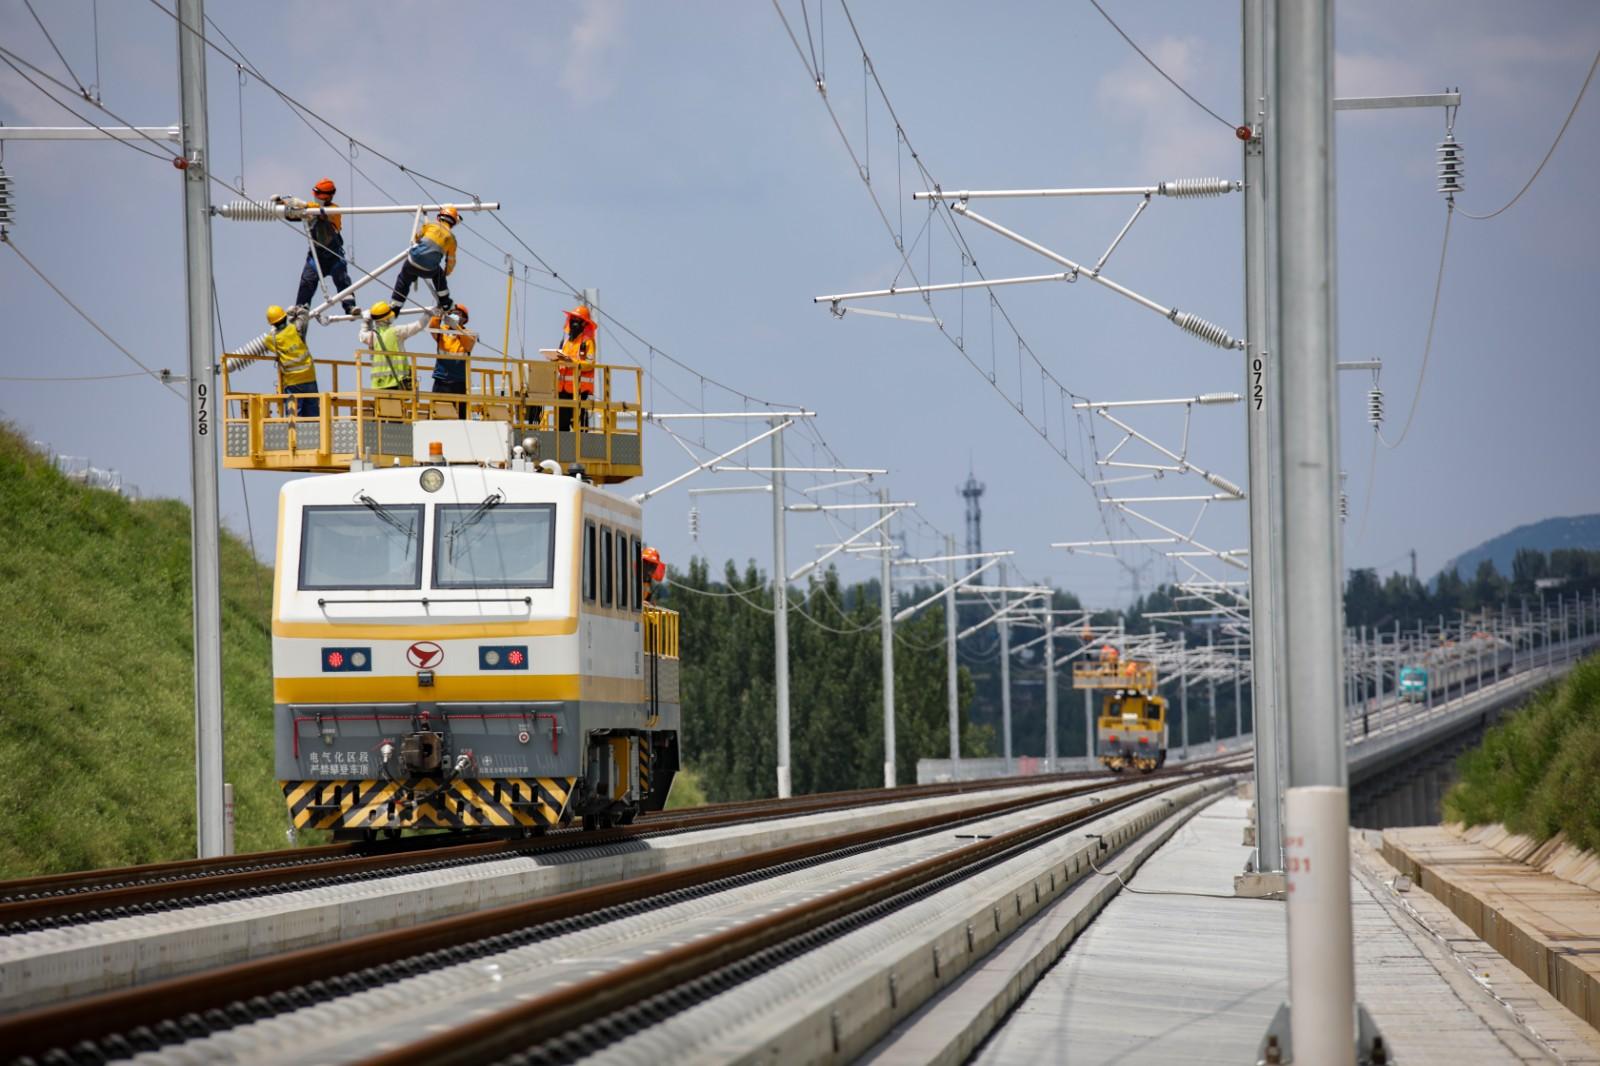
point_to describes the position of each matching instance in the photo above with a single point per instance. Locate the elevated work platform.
(1115, 674)
(603, 431)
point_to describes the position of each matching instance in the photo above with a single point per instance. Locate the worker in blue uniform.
(327, 244)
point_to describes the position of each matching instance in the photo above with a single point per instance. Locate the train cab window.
(638, 577)
(361, 546)
(504, 545)
(588, 562)
(607, 568)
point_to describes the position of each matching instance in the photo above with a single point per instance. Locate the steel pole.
(1088, 725)
(1183, 688)
(1238, 705)
(780, 609)
(886, 624)
(1005, 671)
(1398, 658)
(204, 524)
(1260, 386)
(1050, 683)
(952, 697)
(1211, 681)
(1317, 803)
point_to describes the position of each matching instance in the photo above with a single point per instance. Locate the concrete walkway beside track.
(1179, 972)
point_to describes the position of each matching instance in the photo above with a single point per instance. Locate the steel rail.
(166, 1011)
(592, 1001)
(95, 895)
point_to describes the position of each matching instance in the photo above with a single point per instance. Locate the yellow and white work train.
(464, 645)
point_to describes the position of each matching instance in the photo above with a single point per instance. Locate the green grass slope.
(97, 679)
(1538, 772)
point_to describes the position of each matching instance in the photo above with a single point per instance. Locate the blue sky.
(678, 158)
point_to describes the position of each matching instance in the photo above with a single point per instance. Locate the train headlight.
(432, 479)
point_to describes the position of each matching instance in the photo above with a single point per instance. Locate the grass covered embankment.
(97, 677)
(1538, 771)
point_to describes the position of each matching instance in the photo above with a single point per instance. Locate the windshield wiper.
(490, 502)
(387, 515)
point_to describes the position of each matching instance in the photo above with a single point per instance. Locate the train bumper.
(423, 803)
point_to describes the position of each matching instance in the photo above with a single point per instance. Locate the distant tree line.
(1372, 602)
(835, 683)
(835, 669)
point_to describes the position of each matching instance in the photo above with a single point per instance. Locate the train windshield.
(494, 545)
(361, 546)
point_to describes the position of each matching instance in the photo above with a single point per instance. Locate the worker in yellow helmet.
(454, 346)
(391, 363)
(432, 256)
(575, 376)
(297, 374)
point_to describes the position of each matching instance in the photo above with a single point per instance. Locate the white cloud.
(585, 74)
(1168, 134)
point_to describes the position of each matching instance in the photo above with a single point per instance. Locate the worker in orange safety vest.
(651, 570)
(579, 346)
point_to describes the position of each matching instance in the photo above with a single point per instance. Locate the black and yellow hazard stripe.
(645, 756)
(467, 803)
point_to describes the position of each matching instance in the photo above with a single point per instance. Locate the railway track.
(46, 902)
(186, 1008)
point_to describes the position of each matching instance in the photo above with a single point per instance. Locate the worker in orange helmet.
(325, 259)
(432, 257)
(575, 375)
(651, 570)
(1108, 654)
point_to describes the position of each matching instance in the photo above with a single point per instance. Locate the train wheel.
(627, 816)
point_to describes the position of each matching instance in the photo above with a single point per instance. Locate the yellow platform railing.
(355, 421)
(660, 632)
(1112, 673)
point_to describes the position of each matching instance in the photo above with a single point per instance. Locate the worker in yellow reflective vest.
(297, 374)
(432, 256)
(391, 363)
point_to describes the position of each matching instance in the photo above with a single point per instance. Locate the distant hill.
(1578, 531)
(97, 706)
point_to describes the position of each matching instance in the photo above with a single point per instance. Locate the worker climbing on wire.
(651, 570)
(432, 257)
(575, 373)
(391, 363)
(297, 374)
(453, 344)
(325, 258)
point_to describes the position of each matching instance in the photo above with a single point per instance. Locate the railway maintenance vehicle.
(459, 635)
(1131, 730)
